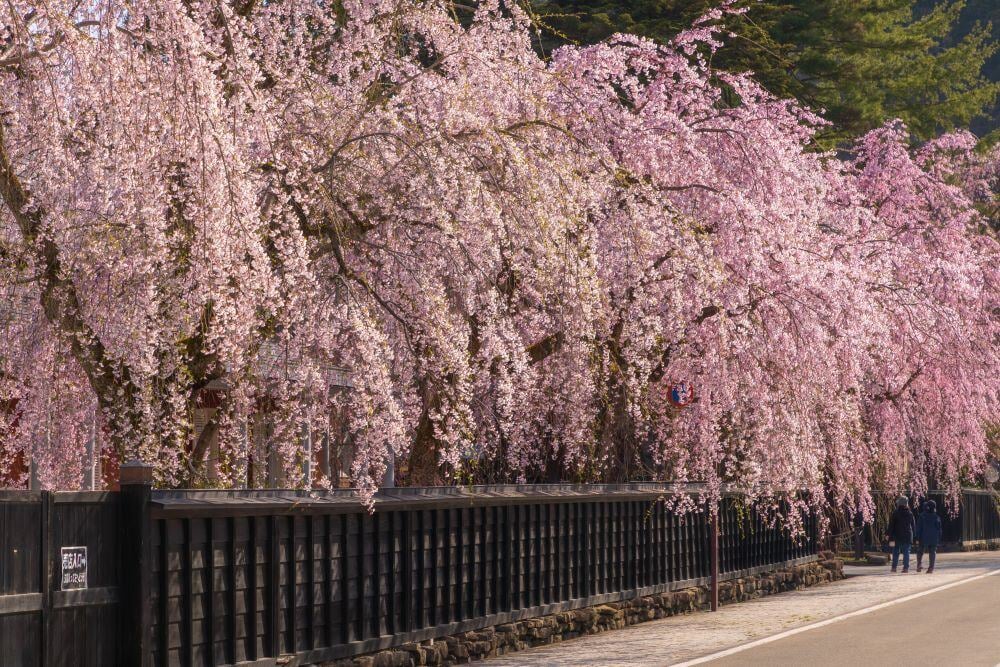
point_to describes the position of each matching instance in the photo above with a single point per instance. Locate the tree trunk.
(614, 434)
(423, 463)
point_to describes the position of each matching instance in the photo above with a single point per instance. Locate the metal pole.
(307, 457)
(98, 459)
(390, 472)
(273, 464)
(89, 481)
(324, 456)
(34, 483)
(246, 442)
(859, 537)
(714, 552)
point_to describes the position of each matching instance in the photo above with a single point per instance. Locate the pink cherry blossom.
(515, 257)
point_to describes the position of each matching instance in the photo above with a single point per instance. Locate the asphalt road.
(956, 626)
(869, 618)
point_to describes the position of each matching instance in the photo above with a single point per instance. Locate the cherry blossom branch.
(61, 305)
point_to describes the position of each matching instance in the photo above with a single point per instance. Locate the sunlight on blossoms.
(286, 245)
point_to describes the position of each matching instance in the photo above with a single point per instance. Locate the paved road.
(683, 638)
(957, 626)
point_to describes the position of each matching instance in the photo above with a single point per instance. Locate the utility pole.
(714, 553)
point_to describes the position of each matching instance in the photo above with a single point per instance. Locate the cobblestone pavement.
(680, 638)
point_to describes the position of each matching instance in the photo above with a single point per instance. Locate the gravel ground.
(681, 638)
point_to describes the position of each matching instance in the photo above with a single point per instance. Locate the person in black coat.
(901, 527)
(918, 544)
(928, 535)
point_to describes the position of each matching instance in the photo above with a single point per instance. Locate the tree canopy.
(861, 62)
(516, 257)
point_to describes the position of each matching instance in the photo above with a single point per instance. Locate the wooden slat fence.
(976, 522)
(253, 577)
(243, 578)
(979, 516)
(40, 624)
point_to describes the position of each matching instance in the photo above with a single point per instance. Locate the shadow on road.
(953, 561)
(681, 638)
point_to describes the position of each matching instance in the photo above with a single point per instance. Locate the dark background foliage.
(933, 63)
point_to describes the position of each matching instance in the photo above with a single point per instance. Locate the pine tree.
(860, 61)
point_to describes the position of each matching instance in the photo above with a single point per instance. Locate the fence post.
(48, 574)
(714, 553)
(136, 482)
(859, 536)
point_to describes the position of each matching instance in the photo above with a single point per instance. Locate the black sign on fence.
(74, 568)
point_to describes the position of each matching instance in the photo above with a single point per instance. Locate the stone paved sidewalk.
(680, 638)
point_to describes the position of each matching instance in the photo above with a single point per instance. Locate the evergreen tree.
(862, 61)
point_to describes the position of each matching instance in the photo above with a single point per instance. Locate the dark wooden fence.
(244, 577)
(207, 578)
(976, 523)
(978, 517)
(39, 623)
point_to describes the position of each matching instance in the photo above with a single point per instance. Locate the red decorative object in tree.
(681, 394)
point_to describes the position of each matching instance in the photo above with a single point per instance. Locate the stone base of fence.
(978, 545)
(510, 637)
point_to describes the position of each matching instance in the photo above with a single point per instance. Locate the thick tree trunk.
(109, 378)
(197, 471)
(424, 465)
(615, 436)
(424, 469)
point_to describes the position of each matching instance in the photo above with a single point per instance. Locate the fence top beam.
(83, 497)
(19, 496)
(970, 492)
(348, 500)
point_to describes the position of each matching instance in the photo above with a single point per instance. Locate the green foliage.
(862, 61)
(979, 12)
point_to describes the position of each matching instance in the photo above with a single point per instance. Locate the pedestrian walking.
(918, 547)
(928, 535)
(901, 526)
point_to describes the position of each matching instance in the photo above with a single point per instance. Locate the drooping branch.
(109, 378)
(543, 348)
(893, 396)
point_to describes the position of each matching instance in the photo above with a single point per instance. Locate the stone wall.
(509, 637)
(976, 545)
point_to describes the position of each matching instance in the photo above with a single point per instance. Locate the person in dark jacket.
(928, 535)
(918, 546)
(901, 526)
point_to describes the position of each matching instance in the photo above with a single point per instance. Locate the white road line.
(835, 619)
